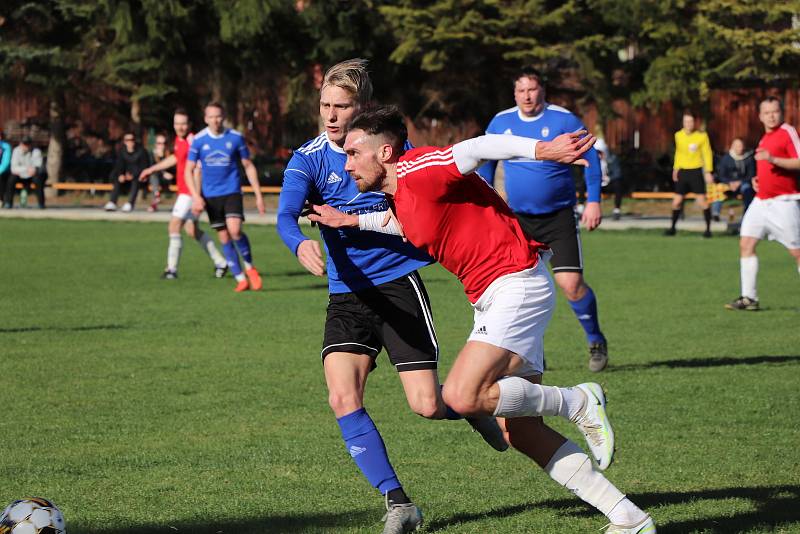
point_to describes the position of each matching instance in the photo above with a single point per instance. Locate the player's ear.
(386, 152)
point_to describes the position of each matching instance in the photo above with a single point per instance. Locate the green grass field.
(143, 406)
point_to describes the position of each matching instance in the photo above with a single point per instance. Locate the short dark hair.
(530, 72)
(382, 120)
(215, 104)
(27, 140)
(181, 111)
(771, 99)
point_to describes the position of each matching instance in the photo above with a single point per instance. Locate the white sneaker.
(594, 424)
(110, 206)
(127, 208)
(645, 527)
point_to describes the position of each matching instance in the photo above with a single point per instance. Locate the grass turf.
(144, 406)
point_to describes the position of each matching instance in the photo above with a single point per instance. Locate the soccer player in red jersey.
(182, 216)
(444, 208)
(775, 212)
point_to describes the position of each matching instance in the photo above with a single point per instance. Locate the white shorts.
(183, 208)
(775, 218)
(513, 314)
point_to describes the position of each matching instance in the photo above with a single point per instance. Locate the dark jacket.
(130, 162)
(731, 170)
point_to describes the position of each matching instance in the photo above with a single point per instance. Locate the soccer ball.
(32, 515)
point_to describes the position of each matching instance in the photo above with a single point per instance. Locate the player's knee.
(425, 407)
(461, 400)
(344, 402)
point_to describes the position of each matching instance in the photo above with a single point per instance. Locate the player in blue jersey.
(377, 298)
(542, 194)
(217, 189)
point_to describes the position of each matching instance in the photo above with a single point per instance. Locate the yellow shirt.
(693, 151)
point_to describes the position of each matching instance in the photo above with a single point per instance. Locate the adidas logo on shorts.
(481, 330)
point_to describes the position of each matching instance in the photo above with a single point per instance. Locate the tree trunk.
(55, 148)
(136, 118)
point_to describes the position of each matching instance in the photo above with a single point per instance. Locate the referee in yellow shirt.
(692, 169)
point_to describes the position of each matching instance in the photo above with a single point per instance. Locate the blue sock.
(365, 445)
(451, 414)
(586, 311)
(243, 246)
(232, 257)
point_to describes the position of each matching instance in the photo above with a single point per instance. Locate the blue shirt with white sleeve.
(219, 156)
(357, 260)
(539, 187)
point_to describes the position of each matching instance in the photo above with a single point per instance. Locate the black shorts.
(222, 207)
(558, 230)
(690, 180)
(395, 315)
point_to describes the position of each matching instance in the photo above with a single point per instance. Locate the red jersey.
(782, 142)
(459, 220)
(181, 151)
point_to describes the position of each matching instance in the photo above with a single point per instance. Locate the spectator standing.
(611, 175)
(691, 170)
(27, 168)
(5, 162)
(132, 159)
(737, 168)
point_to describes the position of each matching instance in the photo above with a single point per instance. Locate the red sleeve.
(792, 141)
(430, 171)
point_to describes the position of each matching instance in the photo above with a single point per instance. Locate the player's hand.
(709, 178)
(390, 216)
(762, 154)
(260, 205)
(198, 205)
(754, 183)
(309, 255)
(566, 148)
(675, 175)
(331, 217)
(592, 215)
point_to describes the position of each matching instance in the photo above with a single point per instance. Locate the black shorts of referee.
(395, 315)
(560, 231)
(691, 181)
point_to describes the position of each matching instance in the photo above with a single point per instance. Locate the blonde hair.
(352, 76)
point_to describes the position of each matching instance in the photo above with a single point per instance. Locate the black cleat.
(220, 272)
(669, 231)
(169, 275)
(743, 303)
(707, 234)
(598, 356)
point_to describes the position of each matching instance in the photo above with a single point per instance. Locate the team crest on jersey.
(545, 131)
(229, 145)
(333, 178)
(206, 147)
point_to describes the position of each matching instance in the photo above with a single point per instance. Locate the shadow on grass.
(775, 506)
(63, 328)
(280, 524)
(706, 362)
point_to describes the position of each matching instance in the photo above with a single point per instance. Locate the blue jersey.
(356, 260)
(538, 187)
(219, 156)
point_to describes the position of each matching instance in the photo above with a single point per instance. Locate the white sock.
(520, 398)
(247, 266)
(749, 272)
(573, 469)
(174, 251)
(207, 244)
(239, 277)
